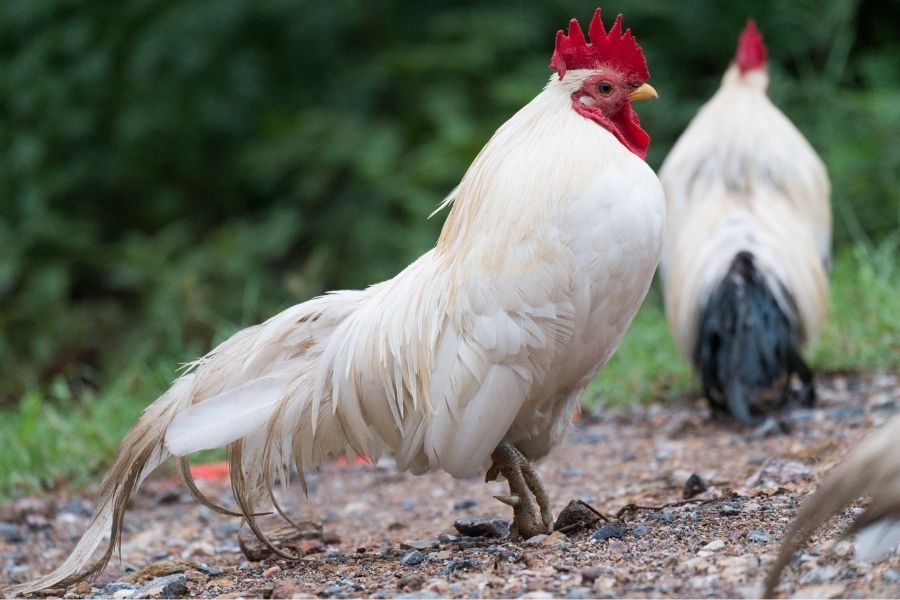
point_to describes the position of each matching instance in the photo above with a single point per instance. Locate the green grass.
(62, 440)
(863, 330)
(66, 441)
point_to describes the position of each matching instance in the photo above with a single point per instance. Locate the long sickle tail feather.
(140, 453)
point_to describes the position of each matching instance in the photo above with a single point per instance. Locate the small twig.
(574, 526)
(594, 510)
(636, 507)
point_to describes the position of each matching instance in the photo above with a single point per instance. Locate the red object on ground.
(343, 461)
(210, 471)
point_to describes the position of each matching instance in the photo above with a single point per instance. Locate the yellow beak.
(645, 92)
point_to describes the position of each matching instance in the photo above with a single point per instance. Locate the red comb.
(617, 49)
(751, 52)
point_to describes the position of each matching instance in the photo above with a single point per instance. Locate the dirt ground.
(374, 532)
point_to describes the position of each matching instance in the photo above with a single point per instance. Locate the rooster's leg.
(531, 506)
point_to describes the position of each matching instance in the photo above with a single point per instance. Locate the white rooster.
(747, 243)
(872, 468)
(473, 358)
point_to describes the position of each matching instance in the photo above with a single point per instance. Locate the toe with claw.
(529, 501)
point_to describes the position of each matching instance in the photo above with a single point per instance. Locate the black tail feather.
(748, 349)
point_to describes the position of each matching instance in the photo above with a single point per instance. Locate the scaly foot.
(529, 501)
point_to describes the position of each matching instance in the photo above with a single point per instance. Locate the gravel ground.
(369, 531)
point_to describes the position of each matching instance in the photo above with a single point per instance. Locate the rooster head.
(608, 73)
(751, 51)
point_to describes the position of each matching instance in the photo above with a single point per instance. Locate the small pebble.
(412, 557)
(639, 530)
(822, 574)
(459, 564)
(665, 517)
(891, 576)
(464, 504)
(271, 572)
(590, 575)
(76, 507)
(729, 510)
(714, 545)
(693, 486)
(312, 546)
(755, 535)
(421, 545)
(10, 532)
(580, 593)
(607, 531)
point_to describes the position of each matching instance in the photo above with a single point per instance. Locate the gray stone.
(109, 590)
(459, 564)
(729, 510)
(10, 532)
(891, 576)
(485, 525)
(639, 530)
(333, 591)
(76, 507)
(170, 586)
(822, 574)
(607, 531)
(419, 544)
(412, 557)
(756, 535)
(210, 570)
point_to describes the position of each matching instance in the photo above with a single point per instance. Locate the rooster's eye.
(604, 88)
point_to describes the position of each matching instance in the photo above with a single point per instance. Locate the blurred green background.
(172, 171)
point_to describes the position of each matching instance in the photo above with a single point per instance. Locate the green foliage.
(864, 323)
(170, 172)
(52, 438)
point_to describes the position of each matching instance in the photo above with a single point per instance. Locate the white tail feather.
(226, 417)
